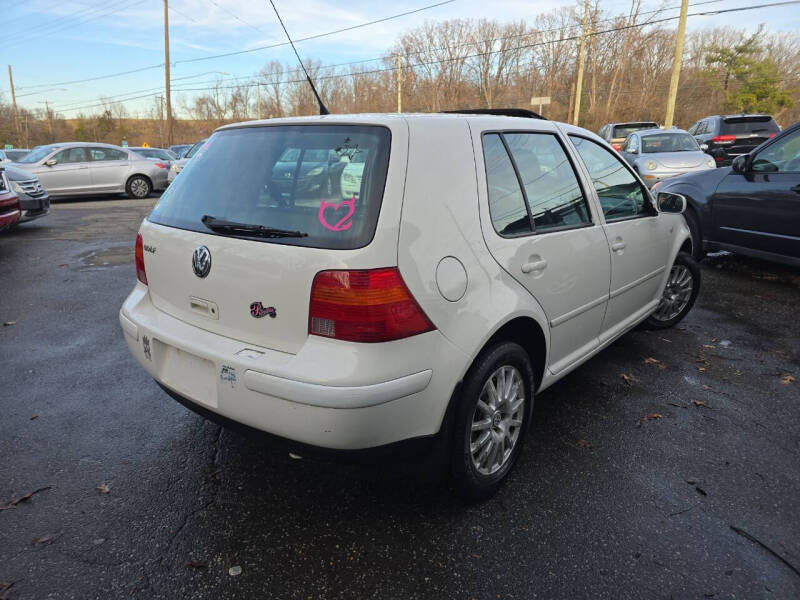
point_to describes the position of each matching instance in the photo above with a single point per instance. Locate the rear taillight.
(617, 147)
(364, 306)
(161, 165)
(141, 274)
(724, 139)
(772, 135)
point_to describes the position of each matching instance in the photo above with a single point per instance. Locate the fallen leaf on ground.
(629, 379)
(103, 488)
(653, 416)
(700, 490)
(709, 347)
(24, 498)
(197, 564)
(678, 405)
(584, 444)
(9, 323)
(34, 417)
(234, 571)
(5, 586)
(701, 369)
(654, 361)
(43, 540)
(691, 481)
(699, 403)
(787, 379)
(707, 387)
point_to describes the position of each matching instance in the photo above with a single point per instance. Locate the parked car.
(657, 154)
(320, 172)
(421, 318)
(177, 166)
(726, 137)
(179, 149)
(82, 168)
(616, 133)
(9, 203)
(13, 154)
(157, 155)
(751, 207)
(33, 198)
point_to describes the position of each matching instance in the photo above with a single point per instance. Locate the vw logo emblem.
(201, 261)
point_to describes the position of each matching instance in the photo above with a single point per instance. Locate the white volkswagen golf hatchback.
(478, 259)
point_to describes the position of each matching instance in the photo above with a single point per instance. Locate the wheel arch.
(145, 176)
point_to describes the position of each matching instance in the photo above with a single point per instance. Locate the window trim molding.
(501, 134)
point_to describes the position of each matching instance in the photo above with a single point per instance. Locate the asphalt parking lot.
(666, 467)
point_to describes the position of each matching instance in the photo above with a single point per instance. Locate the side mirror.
(51, 162)
(667, 202)
(740, 163)
(703, 147)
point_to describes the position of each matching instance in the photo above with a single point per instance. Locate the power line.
(479, 54)
(236, 17)
(316, 36)
(417, 53)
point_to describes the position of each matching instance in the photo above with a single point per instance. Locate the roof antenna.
(322, 109)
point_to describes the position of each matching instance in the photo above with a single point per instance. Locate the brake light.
(141, 274)
(724, 139)
(772, 135)
(364, 306)
(161, 165)
(617, 147)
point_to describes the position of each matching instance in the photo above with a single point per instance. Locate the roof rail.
(503, 112)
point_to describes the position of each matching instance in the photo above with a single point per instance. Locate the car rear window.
(737, 125)
(625, 129)
(326, 181)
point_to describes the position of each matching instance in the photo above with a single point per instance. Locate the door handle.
(618, 246)
(538, 265)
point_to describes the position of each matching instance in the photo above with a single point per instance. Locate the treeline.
(481, 63)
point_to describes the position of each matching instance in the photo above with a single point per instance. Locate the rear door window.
(289, 178)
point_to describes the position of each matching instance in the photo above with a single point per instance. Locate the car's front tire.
(697, 237)
(491, 419)
(680, 292)
(138, 187)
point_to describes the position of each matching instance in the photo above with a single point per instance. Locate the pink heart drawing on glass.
(344, 223)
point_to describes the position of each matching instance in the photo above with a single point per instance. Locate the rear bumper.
(231, 381)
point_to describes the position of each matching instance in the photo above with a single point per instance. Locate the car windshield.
(15, 155)
(290, 178)
(738, 125)
(668, 142)
(37, 154)
(625, 129)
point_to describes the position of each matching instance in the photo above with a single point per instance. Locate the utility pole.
(161, 119)
(14, 101)
(676, 66)
(399, 83)
(166, 72)
(49, 119)
(258, 95)
(581, 59)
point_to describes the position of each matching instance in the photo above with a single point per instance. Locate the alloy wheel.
(677, 294)
(497, 420)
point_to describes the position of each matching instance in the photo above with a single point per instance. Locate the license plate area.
(189, 375)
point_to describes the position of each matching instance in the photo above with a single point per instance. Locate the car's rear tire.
(491, 419)
(138, 187)
(680, 292)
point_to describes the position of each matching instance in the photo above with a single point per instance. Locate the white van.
(483, 258)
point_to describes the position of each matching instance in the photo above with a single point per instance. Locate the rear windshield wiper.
(215, 224)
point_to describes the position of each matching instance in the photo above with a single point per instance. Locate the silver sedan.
(657, 154)
(79, 169)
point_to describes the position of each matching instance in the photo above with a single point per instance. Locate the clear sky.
(57, 41)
